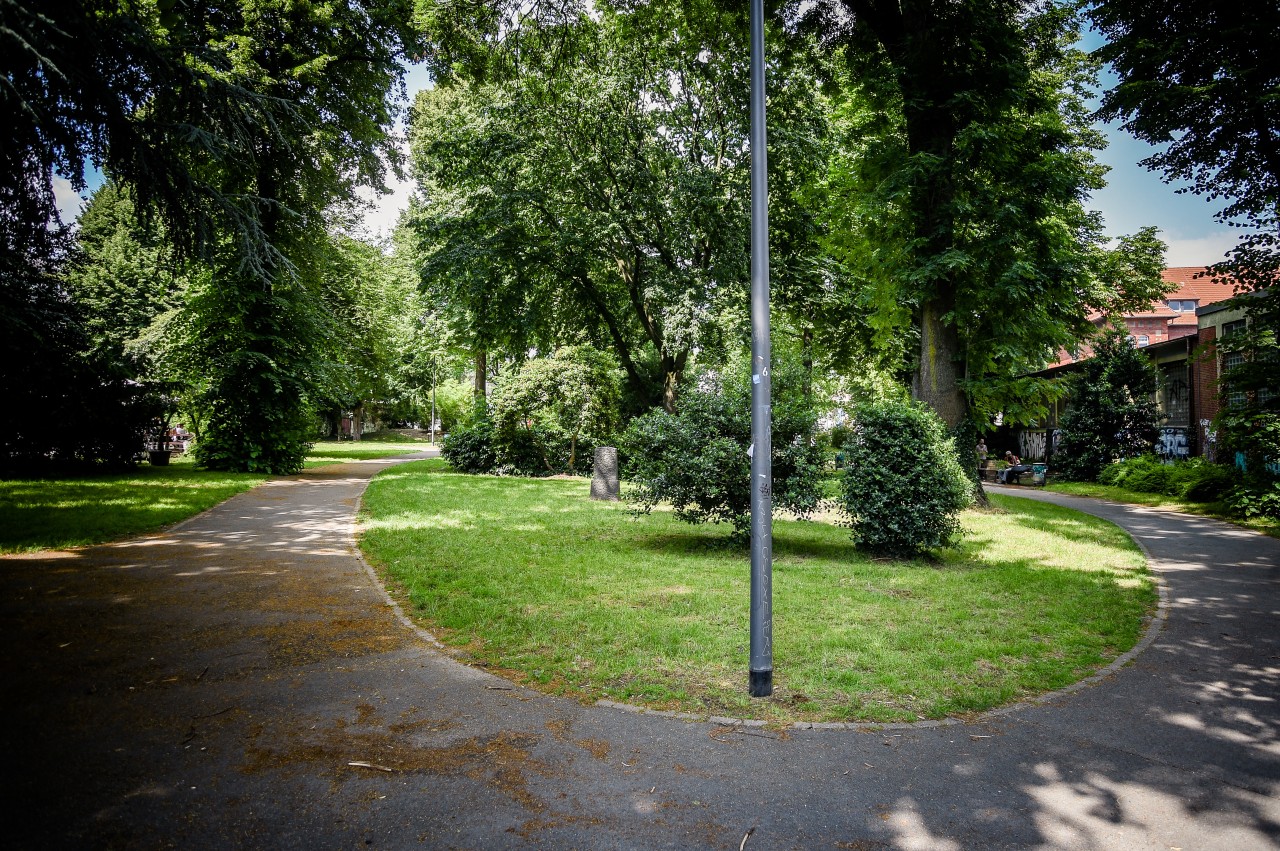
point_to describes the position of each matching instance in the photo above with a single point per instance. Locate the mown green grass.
(533, 579)
(338, 452)
(77, 510)
(1216, 510)
(72, 511)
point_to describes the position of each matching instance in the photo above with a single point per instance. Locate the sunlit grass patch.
(76, 510)
(338, 452)
(1216, 510)
(69, 511)
(532, 578)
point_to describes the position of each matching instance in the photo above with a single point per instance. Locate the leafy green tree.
(551, 414)
(902, 487)
(1111, 413)
(241, 122)
(1200, 81)
(698, 459)
(124, 274)
(332, 66)
(957, 195)
(601, 192)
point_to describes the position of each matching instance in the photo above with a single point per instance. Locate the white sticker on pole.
(751, 450)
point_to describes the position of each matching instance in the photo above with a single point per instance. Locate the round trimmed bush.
(469, 448)
(902, 489)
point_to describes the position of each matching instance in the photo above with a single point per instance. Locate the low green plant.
(1194, 479)
(698, 459)
(469, 447)
(1256, 495)
(903, 487)
(550, 415)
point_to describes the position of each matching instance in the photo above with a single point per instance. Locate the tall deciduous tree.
(1200, 80)
(601, 192)
(332, 66)
(241, 121)
(963, 207)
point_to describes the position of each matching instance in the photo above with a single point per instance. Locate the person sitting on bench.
(1010, 474)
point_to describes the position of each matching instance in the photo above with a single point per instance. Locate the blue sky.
(1133, 198)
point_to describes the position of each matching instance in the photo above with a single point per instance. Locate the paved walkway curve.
(241, 682)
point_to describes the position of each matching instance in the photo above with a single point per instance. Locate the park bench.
(1038, 474)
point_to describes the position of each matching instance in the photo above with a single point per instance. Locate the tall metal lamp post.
(761, 671)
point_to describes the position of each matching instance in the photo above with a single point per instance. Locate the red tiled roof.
(1191, 282)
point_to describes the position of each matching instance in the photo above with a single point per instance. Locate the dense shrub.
(469, 447)
(1257, 495)
(903, 487)
(550, 415)
(696, 459)
(1194, 479)
(1111, 413)
(1211, 484)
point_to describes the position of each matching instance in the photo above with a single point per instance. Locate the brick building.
(1171, 318)
(1177, 333)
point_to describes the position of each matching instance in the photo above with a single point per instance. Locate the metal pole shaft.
(761, 671)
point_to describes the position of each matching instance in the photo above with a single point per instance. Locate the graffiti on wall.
(1038, 444)
(1173, 444)
(1209, 440)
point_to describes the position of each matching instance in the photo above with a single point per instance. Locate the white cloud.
(1200, 250)
(68, 201)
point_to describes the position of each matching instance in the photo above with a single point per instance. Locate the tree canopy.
(1200, 81)
(601, 194)
(958, 193)
(242, 123)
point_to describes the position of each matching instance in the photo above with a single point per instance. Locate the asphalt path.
(243, 681)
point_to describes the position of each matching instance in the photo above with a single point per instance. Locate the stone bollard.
(604, 481)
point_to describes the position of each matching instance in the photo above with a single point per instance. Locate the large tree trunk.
(672, 373)
(482, 374)
(936, 381)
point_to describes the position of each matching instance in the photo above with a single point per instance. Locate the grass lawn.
(338, 452)
(532, 579)
(72, 511)
(1155, 500)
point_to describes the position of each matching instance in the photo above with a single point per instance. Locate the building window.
(1142, 340)
(1175, 392)
(1183, 305)
(1232, 360)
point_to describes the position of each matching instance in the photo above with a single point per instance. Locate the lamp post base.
(761, 683)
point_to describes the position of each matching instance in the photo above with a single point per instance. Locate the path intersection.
(242, 681)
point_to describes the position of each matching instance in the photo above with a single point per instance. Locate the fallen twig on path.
(372, 766)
